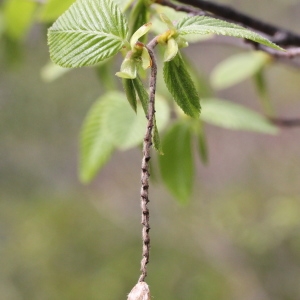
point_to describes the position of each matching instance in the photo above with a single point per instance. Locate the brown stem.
(145, 166)
(285, 122)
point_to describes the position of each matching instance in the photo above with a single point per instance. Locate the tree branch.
(280, 36)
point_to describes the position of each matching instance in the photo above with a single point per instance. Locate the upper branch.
(279, 35)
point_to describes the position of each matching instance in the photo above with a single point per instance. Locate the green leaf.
(52, 9)
(142, 93)
(176, 165)
(206, 25)
(238, 68)
(233, 116)
(181, 86)
(130, 92)
(96, 145)
(87, 33)
(18, 16)
(126, 129)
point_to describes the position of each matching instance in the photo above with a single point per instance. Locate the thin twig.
(285, 122)
(145, 165)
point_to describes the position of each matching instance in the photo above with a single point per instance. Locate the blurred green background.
(238, 238)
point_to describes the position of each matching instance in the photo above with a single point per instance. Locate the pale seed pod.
(140, 291)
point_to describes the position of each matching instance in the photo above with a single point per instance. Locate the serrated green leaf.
(18, 16)
(233, 116)
(238, 68)
(87, 33)
(181, 86)
(130, 92)
(126, 129)
(176, 165)
(52, 9)
(96, 145)
(206, 25)
(142, 93)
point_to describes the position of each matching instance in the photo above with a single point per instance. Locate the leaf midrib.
(87, 32)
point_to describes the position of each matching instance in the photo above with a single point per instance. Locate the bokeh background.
(238, 238)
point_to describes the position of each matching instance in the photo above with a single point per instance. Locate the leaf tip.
(84, 177)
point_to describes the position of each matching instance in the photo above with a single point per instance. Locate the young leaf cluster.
(92, 31)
